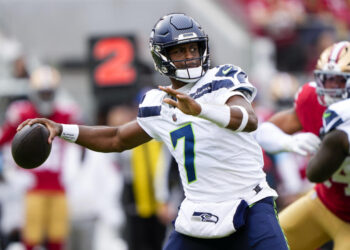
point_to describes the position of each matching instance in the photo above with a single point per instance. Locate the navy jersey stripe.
(210, 87)
(216, 85)
(242, 77)
(336, 124)
(149, 111)
(331, 120)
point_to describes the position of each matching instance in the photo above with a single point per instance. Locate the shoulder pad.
(153, 97)
(331, 120)
(227, 70)
(232, 71)
(336, 114)
(306, 91)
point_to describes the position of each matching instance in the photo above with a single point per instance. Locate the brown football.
(30, 147)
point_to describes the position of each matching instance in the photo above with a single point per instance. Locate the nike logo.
(325, 115)
(227, 70)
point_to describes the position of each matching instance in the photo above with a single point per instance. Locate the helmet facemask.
(44, 101)
(193, 68)
(328, 96)
(44, 82)
(166, 66)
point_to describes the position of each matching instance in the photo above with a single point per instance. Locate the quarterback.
(203, 118)
(327, 207)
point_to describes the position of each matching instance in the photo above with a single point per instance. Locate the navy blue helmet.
(172, 30)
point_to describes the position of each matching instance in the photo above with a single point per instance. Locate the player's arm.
(237, 113)
(277, 135)
(333, 150)
(287, 121)
(242, 114)
(97, 138)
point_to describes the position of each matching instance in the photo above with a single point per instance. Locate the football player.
(43, 223)
(324, 213)
(203, 118)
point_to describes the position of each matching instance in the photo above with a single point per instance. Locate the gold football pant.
(46, 217)
(308, 224)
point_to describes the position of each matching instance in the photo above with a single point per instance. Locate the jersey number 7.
(186, 132)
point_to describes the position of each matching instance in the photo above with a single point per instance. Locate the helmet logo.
(187, 36)
(164, 70)
(331, 66)
(157, 48)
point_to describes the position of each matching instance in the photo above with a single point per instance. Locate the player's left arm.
(237, 113)
(331, 154)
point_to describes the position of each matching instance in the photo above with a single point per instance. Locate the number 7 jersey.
(215, 164)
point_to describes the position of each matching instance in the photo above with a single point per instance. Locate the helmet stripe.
(335, 53)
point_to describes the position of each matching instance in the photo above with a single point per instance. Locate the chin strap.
(190, 74)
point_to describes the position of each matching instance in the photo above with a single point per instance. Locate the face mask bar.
(189, 73)
(46, 95)
(167, 67)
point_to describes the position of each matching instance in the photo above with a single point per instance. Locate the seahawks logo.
(205, 217)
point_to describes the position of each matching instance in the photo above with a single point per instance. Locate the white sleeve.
(227, 95)
(271, 138)
(149, 111)
(274, 140)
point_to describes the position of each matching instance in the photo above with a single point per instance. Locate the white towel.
(210, 220)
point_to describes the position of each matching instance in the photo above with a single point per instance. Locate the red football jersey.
(309, 111)
(47, 176)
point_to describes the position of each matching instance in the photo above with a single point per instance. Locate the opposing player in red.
(324, 213)
(46, 217)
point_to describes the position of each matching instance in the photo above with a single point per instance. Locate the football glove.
(303, 144)
(273, 140)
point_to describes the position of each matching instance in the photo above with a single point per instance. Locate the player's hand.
(166, 213)
(304, 144)
(184, 102)
(54, 128)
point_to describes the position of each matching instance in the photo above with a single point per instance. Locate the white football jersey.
(337, 116)
(215, 163)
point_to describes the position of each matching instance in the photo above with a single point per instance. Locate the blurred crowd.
(299, 30)
(288, 37)
(128, 200)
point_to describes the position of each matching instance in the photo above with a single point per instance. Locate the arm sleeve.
(149, 111)
(271, 138)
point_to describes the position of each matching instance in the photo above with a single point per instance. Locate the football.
(30, 147)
